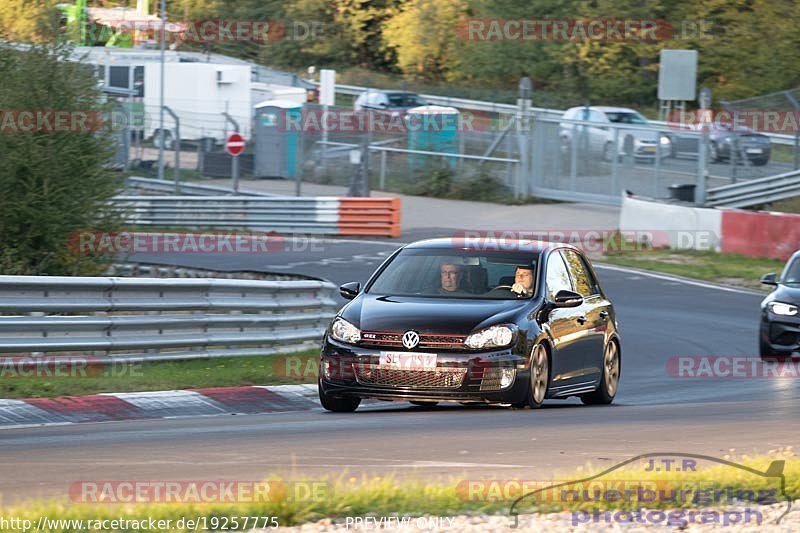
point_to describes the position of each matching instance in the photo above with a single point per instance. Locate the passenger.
(523, 281)
(452, 276)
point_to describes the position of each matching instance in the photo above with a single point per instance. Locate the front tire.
(337, 404)
(609, 381)
(539, 382)
(713, 153)
(608, 150)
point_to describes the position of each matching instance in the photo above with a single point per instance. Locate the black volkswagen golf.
(473, 321)
(780, 313)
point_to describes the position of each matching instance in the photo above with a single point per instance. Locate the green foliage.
(28, 20)
(438, 184)
(52, 183)
(747, 47)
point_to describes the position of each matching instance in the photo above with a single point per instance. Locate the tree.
(424, 36)
(54, 176)
(28, 20)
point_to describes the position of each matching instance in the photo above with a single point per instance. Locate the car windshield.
(625, 117)
(447, 273)
(791, 276)
(404, 100)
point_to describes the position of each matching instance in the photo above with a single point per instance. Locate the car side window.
(597, 116)
(792, 273)
(557, 277)
(585, 284)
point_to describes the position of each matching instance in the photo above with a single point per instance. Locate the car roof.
(493, 242)
(384, 91)
(606, 109)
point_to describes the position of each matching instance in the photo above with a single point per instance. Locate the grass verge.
(309, 500)
(728, 269)
(78, 378)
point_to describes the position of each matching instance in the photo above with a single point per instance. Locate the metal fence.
(145, 319)
(498, 152)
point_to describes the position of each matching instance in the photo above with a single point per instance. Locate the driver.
(451, 274)
(523, 281)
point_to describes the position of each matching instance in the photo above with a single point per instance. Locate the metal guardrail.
(151, 185)
(511, 109)
(279, 213)
(325, 215)
(147, 319)
(756, 192)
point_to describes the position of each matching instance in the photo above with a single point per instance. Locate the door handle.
(604, 314)
(581, 320)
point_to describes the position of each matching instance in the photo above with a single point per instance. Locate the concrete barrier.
(672, 225)
(760, 233)
(682, 227)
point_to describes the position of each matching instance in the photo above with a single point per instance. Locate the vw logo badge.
(410, 339)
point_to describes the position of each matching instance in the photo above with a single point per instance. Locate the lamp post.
(702, 160)
(161, 90)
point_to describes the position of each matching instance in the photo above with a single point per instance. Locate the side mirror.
(565, 298)
(350, 290)
(769, 279)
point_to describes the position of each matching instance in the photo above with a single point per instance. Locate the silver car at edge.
(642, 140)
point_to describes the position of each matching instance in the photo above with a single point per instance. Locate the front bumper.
(347, 370)
(781, 333)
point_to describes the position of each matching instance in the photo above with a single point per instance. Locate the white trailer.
(200, 94)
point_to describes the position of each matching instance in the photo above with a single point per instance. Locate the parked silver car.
(639, 139)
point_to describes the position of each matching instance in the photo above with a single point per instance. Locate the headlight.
(664, 140)
(780, 308)
(492, 337)
(344, 331)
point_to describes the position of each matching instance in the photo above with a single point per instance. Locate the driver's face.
(524, 277)
(449, 277)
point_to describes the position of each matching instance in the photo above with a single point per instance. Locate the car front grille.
(386, 339)
(381, 376)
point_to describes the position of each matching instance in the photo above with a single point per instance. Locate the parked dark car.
(454, 320)
(724, 139)
(388, 101)
(780, 313)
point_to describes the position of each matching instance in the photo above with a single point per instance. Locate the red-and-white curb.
(159, 404)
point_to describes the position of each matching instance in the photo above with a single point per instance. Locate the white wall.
(673, 225)
(192, 91)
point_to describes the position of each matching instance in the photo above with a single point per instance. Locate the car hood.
(787, 293)
(429, 315)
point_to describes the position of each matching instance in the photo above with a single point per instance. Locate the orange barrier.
(369, 216)
(760, 234)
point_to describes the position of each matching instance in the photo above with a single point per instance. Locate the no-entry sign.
(235, 144)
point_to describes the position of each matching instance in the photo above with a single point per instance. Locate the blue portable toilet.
(278, 124)
(432, 128)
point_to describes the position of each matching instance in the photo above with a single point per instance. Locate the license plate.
(408, 361)
(754, 151)
(649, 149)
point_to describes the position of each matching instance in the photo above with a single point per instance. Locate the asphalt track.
(660, 318)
